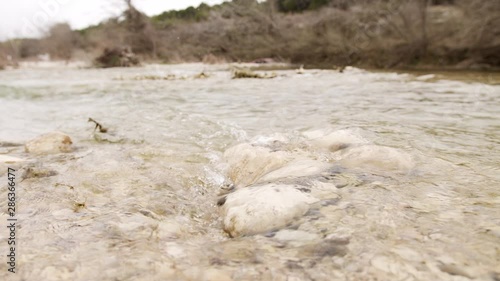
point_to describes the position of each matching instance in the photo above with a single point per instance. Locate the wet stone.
(51, 143)
(259, 209)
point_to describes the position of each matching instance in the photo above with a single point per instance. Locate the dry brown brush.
(373, 33)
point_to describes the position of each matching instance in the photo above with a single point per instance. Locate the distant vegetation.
(189, 14)
(301, 5)
(370, 33)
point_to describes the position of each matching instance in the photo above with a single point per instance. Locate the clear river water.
(140, 201)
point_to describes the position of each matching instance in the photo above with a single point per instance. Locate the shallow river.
(140, 201)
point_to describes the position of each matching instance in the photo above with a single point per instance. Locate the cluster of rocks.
(275, 185)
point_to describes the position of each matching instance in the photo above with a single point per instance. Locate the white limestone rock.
(376, 158)
(278, 181)
(335, 140)
(262, 208)
(51, 143)
(248, 163)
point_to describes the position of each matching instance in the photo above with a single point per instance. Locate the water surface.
(140, 204)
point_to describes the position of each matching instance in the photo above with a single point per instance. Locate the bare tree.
(141, 33)
(60, 41)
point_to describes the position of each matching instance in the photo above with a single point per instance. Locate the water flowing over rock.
(248, 162)
(398, 177)
(335, 140)
(54, 142)
(278, 182)
(376, 158)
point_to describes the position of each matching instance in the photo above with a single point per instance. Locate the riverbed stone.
(376, 158)
(247, 162)
(263, 208)
(50, 143)
(334, 141)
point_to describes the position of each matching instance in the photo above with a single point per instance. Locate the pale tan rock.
(276, 187)
(376, 158)
(247, 163)
(258, 209)
(334, 141)
(51, 143)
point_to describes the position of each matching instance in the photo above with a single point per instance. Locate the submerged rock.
(334, 141)
(54, 142)
(351, 150)
(376, 158)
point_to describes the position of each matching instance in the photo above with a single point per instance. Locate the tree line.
(372, 33)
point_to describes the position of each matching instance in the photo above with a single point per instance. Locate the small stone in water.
(54, 142)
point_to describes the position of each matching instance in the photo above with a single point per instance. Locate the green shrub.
(300, 5)
(191, 13)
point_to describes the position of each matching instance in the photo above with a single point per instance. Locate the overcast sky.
(31, 18)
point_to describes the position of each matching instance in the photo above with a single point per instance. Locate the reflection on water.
(143, 205)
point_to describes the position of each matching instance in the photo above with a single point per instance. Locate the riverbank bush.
(117, 57)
